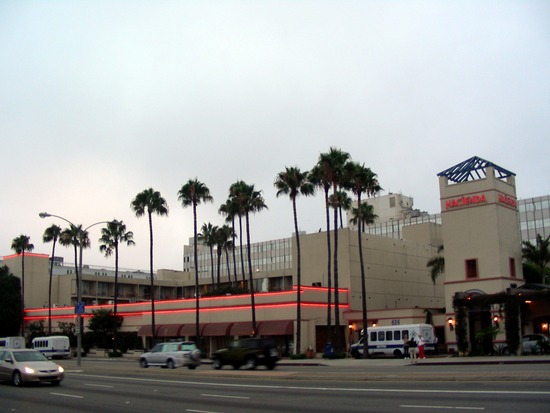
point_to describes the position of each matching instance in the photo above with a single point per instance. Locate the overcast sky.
(100, 100)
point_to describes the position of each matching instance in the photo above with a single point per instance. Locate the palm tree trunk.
(298, 347)
(329, 270)
(233, 248)
(197, 301)
(153, 327)
(363, 283)
(23, 293)
(115, 300)
(336, 295)
(241, 246)
(50, 291)
(251, 280)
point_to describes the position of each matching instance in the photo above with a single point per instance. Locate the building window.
(392, 202)
(471, 268)
(512, 267)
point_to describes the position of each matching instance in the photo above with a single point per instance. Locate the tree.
(229, 209)
(10, 303)
(112, 236)
(208, 237)
(101, 324)
(319, 177)
(342, 202)
(192, 194)
(51, 234)
(333, 165)
(366, 214)
(75, 236)
(293, 182)
(436, 264)
(150, 202)
(538, 255)
(20, 245)
(236, 208)
(361, 180)
(222, 237)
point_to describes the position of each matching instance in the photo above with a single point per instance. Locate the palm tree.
(341, 201)
(222, 238)
(20, 245)
(150, 202)
(248, 201)
(192, 194)
(72, 236)
(293, 182)
(208, 238)
(333, 165)
(51, 234)
(229, 209)
(362, 180)
(538, 255)
(320, 179)
(367, 216)
(112, 236)
(236, 199)
(436, 264)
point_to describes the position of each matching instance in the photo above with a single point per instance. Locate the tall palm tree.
(20, 245)
(293, 182)
(361, 180)
(192, 194)
(75, 236)
(436, 264)
(367, 216)
(249, 201)
(229, 209)
(150, 202)
(538, 254)
(333, 163)
(208, 237)
(237, 193)
(51, 234)
(341, 201)
(320, 179)
(112, 236)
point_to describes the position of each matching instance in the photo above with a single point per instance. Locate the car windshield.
(188, 347)
(29, 356)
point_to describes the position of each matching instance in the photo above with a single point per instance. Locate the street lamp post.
(78, 307)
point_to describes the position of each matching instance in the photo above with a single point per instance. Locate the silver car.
(534, 343)
(26, 366)
(172, 355)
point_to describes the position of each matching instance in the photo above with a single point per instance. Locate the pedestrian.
(420, 343)
(406, 347)
(412, 350)
(436, 346)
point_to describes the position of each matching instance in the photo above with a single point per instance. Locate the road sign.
(79, 308)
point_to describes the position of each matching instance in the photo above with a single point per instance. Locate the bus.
(12, 342)
(389, 340)
(53, 346)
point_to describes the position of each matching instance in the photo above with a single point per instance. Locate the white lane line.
(67, 395)
(414, 406)
(98, 385)
(199, 411)
(221, 396)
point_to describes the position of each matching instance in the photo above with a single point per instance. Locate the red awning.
(146, 331)
(191, 330)
(217, 329)
(276, 328)
(169, 330)
(242, 328)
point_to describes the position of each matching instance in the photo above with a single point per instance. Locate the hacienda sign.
(465, 201)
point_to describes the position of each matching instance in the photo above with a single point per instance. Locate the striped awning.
(217, 329)
(276, 328)
(242, 328)
(191, 330)
(169, 330)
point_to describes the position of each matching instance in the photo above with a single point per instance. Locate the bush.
(301, 356)
(115, 354)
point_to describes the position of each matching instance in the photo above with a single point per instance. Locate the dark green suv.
(247, 353)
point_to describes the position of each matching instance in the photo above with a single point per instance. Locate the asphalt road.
(104, 385)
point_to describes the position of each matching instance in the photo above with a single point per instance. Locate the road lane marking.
(331, 389)
(199, 411)
(221, 396)
(67, 395)
(98, 385)
(415, 406)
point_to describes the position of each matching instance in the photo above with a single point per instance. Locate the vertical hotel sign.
(479, 199)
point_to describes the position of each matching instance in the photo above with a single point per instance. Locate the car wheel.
(250, 364)
(16, 379)
(143, 363)
(216, 364)
(170, 364)
(397, 354)
(195, 355)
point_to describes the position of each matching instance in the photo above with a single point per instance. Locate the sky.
(100, 100)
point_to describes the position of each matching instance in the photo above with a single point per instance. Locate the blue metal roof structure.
(473, 169)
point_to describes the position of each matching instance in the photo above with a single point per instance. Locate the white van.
(389, 340)
(53, 346)
(12, 342)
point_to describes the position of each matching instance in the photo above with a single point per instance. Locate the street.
(105, 386)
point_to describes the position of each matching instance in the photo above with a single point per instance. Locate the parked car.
(172, 355)
(247, 353)
(535, 343)
(22, 366)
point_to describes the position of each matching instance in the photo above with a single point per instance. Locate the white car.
(531, 343)
(172, 355)
(27, 366)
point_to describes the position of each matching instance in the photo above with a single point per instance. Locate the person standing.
(412, 350)
(420, 343)
(406, 347)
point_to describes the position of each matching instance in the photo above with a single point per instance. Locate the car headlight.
(28, 370)
(60, 369)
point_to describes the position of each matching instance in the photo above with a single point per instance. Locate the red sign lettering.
(508, 200)
(465, 201)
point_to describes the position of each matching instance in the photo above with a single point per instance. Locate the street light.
(78, 307)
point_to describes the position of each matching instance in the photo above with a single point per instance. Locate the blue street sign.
(79, 307)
